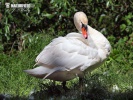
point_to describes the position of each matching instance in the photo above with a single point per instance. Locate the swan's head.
(81, 22)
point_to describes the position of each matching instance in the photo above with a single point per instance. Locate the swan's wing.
(68, 53)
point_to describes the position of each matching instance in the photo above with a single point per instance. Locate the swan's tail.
(43, 72)
(39, 72)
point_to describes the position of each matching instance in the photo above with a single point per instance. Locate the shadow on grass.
(98, 92)
(93, 90)
(93, 94)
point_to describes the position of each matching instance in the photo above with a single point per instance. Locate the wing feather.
(69, 53)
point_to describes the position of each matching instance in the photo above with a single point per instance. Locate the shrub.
(55, 17)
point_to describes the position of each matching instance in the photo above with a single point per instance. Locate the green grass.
(12, 78)
(117, 71)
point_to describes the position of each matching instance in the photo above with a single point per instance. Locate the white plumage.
(68, 57)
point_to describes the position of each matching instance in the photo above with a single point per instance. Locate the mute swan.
(71, 56)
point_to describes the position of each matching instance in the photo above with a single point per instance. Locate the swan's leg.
(53, 83)
(81, 84)
(64, 86)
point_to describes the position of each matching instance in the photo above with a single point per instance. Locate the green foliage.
(117, 71)
(12, 78)
(109, 17)
(30, 30)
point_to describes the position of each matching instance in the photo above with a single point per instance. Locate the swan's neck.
(98, 41)
(90, 38)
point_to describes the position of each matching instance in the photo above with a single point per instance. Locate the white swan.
(71, 56)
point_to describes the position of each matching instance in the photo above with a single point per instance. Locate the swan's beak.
(84, 31)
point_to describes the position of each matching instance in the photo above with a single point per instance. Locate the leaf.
(107, 4)
(101, 17)
(38, 10)
(122, 27)
(6, 29)
(48, 15)
(117, 17)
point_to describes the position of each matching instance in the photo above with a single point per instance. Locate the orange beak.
(84, 31)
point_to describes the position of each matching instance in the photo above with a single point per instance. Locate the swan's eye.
(84, 26)
(84, 30)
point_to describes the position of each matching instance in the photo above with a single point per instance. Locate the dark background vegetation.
(22, 31)
(112, 17)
